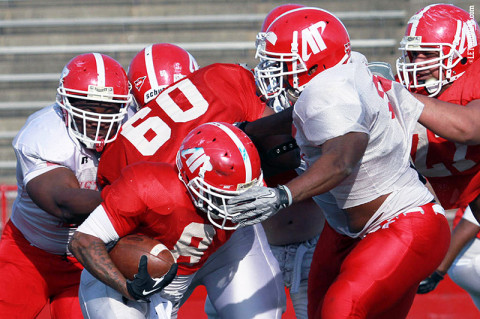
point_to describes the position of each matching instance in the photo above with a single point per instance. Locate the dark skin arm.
(58, 193)
(92, 254)
(461, 235)
(339, 156)
(275, 124)
(451, 121)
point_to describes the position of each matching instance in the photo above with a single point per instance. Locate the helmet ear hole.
(313, 69)
(464, 60)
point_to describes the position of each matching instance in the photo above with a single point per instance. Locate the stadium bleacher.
(38, 37)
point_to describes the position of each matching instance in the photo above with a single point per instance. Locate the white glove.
(258, 203)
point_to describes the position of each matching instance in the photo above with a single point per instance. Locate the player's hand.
(429, 283)
(143, 285)
(258, 203)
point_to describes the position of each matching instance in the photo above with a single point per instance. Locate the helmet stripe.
(416, 19)
(100, 69)
(241, 148)
(152, 77)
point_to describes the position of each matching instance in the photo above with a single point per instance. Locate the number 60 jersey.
(218, 92)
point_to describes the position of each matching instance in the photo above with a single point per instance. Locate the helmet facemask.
(272, 71)
(213, 201)
(93, 120)
(443, 62)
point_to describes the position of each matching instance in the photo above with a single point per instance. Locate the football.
(127, 252)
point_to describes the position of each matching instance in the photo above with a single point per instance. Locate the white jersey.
(347, 98)
(41, 145)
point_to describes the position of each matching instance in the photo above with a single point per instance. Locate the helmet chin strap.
(100, 146)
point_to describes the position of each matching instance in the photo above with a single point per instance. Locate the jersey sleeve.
(113, 159)
(236, 82)
(32, 164)
(329, 108)
(143, 187)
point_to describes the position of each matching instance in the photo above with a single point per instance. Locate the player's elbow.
(77, 243)
(471, 135)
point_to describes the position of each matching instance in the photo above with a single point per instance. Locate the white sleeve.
(99, 225)
(31, 163)
(468, 215)
(330, 107)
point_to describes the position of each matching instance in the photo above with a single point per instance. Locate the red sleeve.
(112, 161)
(140, 188)
(236, 85)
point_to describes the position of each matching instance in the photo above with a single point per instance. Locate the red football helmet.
(276, 12)
(278, 103)
(297, 46)
(91, 83)
(446, 30)
(217, 161)
(156, 67)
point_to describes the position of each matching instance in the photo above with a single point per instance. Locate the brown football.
(127, 252)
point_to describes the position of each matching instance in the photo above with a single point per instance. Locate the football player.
(182, 206)
(440, 63)
(355, 140)
(57, 152)
(156, 67)
(218, 92)
(293, 232)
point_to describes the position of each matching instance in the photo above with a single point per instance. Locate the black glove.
(429, 283)
(143, 285)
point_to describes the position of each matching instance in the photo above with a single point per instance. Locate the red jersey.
(451, 168)
(150, 199)
(218, 92)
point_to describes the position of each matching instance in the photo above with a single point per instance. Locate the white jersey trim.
(99, 225)
(41, 171)
(468, 215)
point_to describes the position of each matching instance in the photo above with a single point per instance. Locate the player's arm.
(91, 252)
(339, 156)
(463, 233)
(275, 124)
(58, 193)
(451, 121)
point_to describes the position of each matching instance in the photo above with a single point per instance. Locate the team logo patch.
(195, 159)
(139, 82)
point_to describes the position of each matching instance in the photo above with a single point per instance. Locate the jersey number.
(145, 143)
(195, 239)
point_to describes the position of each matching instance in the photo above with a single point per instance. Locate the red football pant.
(377, 276)
(31, 277)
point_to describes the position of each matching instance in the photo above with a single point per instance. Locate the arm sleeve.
(252, 106)
(31, 164)
(98, 224)
(112, 161)
(468, 215)
(325, 111)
